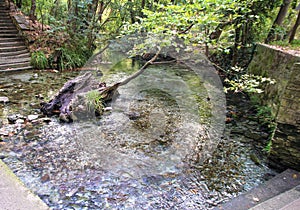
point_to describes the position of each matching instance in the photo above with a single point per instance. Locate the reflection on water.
(153, 127)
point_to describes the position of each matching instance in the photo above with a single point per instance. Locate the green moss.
(204, 109)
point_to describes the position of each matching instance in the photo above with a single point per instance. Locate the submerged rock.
(4, 132)
(20, 121)
(14, 117)
(4, 99)
(32, 117)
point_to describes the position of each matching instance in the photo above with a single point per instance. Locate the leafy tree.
(221, 27)
(230, 25)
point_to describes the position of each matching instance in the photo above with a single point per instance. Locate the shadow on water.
(146, 153)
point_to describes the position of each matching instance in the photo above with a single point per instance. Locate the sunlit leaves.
(243, 82)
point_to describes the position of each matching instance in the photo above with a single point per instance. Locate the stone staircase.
(281, 192)
(14, 55)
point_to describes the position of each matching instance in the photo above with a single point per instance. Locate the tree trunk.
(215, 35)
(279, 20)
(56, 7)
(19, 3)
(143, 5)
(70, 5)
(32, 15)
(294, 30)
(236, 45)
(131, 12)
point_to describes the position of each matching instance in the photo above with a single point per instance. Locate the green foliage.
(268, 147)
(229, 25)
(264, 114)
(72, 58)
(239, 81)
(211, 22)
(39, 60)
(295, 45)
(267, 119)
(94, 101)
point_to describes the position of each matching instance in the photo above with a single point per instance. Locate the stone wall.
(284, 99)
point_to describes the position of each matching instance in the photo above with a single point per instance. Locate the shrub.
(39, 60)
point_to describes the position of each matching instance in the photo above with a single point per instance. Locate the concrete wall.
(284, 99)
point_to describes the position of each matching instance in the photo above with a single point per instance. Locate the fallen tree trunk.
(70, 102)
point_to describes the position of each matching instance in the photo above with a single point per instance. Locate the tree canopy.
(219, 27)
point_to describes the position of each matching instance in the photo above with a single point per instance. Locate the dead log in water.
(70, 101)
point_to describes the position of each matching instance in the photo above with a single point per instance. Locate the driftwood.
(69, 103)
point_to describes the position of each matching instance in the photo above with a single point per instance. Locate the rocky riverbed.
(115, 173)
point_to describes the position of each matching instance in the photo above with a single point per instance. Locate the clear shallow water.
(149, 152)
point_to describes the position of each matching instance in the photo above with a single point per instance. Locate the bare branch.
(141, 70)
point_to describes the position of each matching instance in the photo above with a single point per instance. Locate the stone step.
(14, 53)
(12, 49)
(281, 183)
(15, 195)
(292, 206)
(14, 65)
(10, 39)
(16, 69)
(11, 44)
(280, 201)
(13, 60)
(7, 27)
(22, 55)
(5, 21)
(9, 31)
(5, 16)
(8, 35)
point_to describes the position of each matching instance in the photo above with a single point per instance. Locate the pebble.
(4, 99)
(45, 178)
(4, 132)
(106, 109)
(20, 121)
(34, 105)
(14, 117)
(32, 117)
